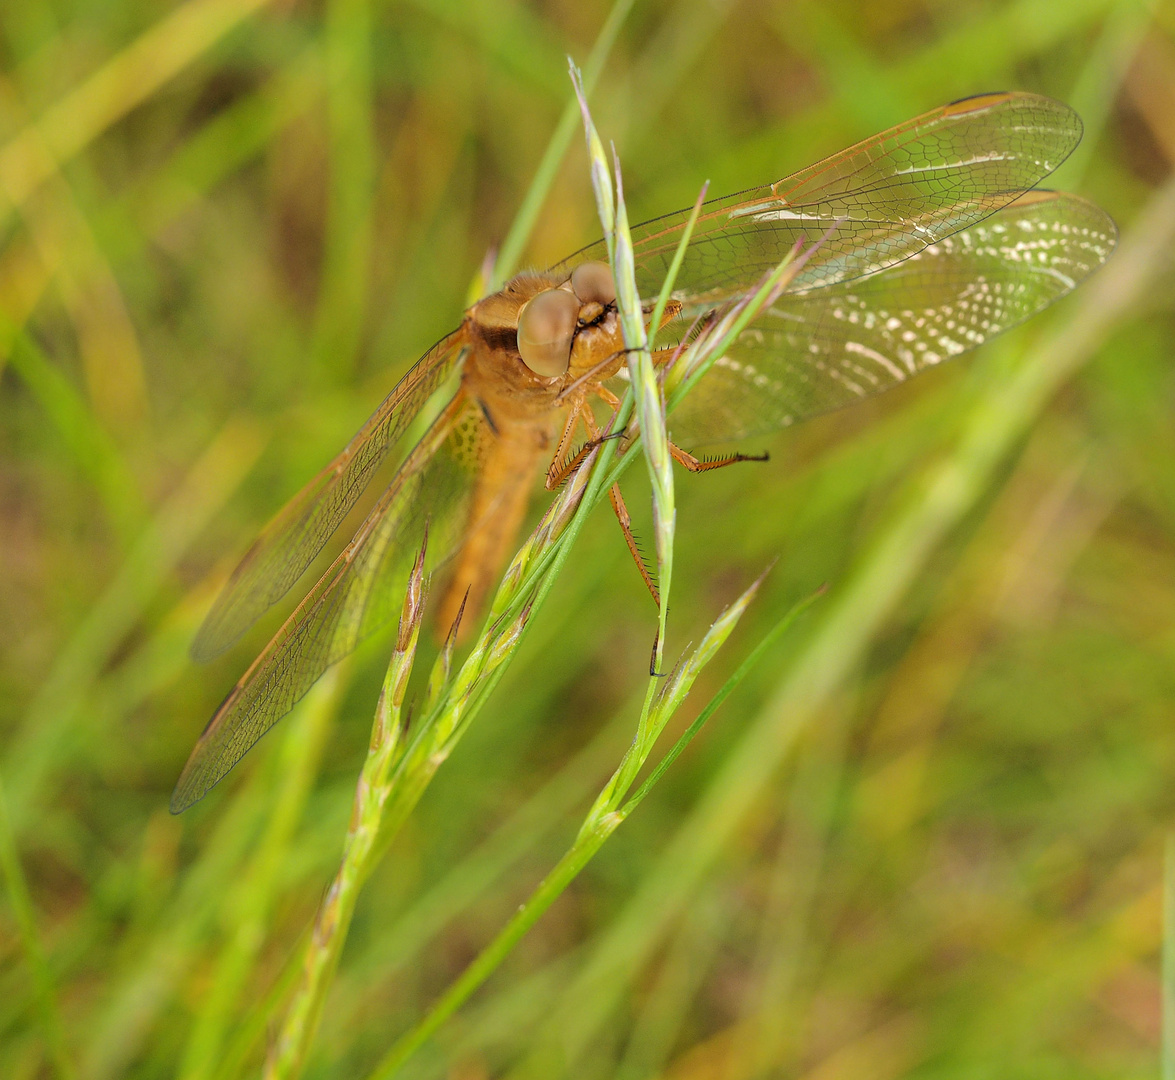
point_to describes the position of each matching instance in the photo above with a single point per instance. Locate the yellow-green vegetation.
(923, 832)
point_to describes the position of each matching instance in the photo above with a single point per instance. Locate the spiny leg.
(558, 472)
(560, 467)
(617, 500)
(621, 510)
(666, 357)
(698, 465)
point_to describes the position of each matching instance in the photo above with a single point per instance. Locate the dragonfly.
(936, 238)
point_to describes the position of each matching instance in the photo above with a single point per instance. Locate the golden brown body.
(523, 412)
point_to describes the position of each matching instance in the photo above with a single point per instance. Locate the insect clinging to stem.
(941, 241)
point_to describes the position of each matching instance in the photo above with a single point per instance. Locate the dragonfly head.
(542, 330)
(549, 321)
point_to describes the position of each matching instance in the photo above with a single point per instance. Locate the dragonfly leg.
(621, 510)
(697, 465)
(562, 466)
(607, 397)
(663, 356)
(617, 500)
(561, 470)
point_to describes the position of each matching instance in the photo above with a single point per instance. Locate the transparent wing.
(290, 542)
(889, 196)
(361, 591)
(823, 348)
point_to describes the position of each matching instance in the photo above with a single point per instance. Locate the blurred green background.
(924, 839)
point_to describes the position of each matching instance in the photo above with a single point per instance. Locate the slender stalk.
(288, 1052)
(606, 815)
(649, 404)
(1167, 1052)
(744, 669)
(552, 158)
(551, 888)
(19, 900)
(650, 412)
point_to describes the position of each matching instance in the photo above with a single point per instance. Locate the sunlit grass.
(925, 834)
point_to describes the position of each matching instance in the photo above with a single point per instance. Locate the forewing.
(823, 348)
(361, 591)
(290, 542)
(884, 199)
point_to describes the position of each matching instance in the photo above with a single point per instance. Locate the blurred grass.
(229, 227)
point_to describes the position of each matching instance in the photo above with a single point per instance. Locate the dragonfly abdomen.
(514, 453)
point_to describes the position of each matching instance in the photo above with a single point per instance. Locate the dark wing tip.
(982, 100)
(992, 99)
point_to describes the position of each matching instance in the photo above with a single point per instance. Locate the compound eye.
(592, 282)
(546, 325)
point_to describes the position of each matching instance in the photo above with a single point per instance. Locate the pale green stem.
(650, 411)
(21, 904)
(288, 1054)
(1168, 996)
(601, 821)
(544, 177)
(650, 408)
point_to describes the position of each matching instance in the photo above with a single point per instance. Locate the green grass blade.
(524, 221)
(21, 905)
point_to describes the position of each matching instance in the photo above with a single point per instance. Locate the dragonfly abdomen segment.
(510, 462)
